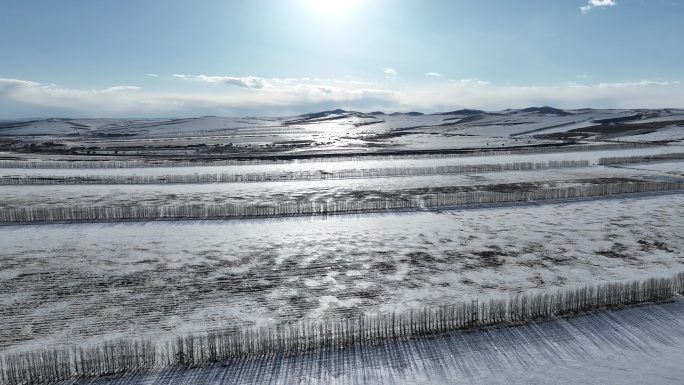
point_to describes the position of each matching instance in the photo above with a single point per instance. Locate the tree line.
(284, 176)
(640, 158)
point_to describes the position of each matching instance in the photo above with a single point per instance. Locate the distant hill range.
(553, 122)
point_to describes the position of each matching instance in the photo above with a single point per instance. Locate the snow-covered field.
(66, 284)
(86, 282)
(669, 133)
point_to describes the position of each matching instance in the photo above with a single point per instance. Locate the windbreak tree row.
(49, 366)
(201, 160)
(486, 197)
(286, 176)
(301, 208)
(641, 158)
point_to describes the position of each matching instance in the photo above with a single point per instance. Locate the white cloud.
(250, 82)
(153, 75)
(20, 95)
(390, 72)
(121, 88)
(474, 81)
(9, 84)
(641, 83)
(281, 84)
(19, 98)
(597, 3)
(434, 74)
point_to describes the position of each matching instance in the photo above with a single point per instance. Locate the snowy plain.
(73, 284)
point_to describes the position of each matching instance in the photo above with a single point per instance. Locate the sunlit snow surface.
(640, 345)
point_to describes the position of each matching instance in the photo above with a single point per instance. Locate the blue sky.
(157, 58)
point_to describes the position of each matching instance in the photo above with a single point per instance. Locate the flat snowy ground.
(641, 345)
(77, 283)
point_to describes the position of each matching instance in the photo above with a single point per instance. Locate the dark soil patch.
(490, 258)
(385, 267)
(617, 252)
(367, 294)
(421, 259)
(614, 254)
(648, 246)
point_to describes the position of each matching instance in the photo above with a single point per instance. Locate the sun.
(332, 8)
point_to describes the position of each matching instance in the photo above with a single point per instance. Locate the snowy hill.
(340, 131)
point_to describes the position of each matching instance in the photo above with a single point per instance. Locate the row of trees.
(486, 197)
(641, 158)
(283, 340)
(299, 208)
(285, 176)
(51, 366)
(82, 164)
(582, 147)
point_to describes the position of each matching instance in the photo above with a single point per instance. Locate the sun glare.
(332, 8)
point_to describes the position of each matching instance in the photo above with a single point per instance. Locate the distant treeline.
(299, 208)
(641, 158)
(49, 366)
(78, 164)
(283, 176)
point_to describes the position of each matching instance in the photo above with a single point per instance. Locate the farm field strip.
(270, 192)
(273, 192)
(341, 166)
(194, 276)
(334, 207)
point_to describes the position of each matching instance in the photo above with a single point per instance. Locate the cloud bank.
(597, 3)
(249, 82)
(256, 96)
